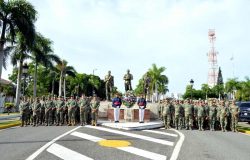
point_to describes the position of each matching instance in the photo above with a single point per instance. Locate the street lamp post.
(25, 73)
(93, 91)
(191, 84)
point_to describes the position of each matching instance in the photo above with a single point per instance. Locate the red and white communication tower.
(212, 60)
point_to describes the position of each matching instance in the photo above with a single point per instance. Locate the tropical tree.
(20, 53)
(157, 79)
(42, 54)
(206, 89)
(16, 16)
(64, 70)
(231, 86)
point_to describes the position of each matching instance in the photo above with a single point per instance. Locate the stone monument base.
(129, 115)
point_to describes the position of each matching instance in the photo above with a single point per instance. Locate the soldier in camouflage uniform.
(177, 114)
(59, 111)
(195, 117)
(53, 111)
(159, 109)
(23, 106)
(83, 104)
(166, 112)
(234, 109)
(48, 111)
(201, 114)
(94, 105)
(36, 108)
(206, 120)
(189, 112)
(218, 113)
(65, 112)
(28, 113)
(182, 115)
(212, 114)
(71, 111)
(42, 110)
(224, 113)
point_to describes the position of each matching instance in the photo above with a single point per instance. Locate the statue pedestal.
(129, 115)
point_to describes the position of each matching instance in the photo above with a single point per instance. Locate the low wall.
(104, 106)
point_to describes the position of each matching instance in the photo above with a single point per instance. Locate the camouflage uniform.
(201, 114)
(189, 110)
(59, 111)
(48, 111)
(36, 108)
(83, 104)
(94, 105)
(71, 111)
(177, 115)
(212, 115)
(42, 111)
(166, 112)
(224, 113)
(234, 109)
(23, 106)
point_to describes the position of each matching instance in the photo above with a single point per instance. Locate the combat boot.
(92, 123)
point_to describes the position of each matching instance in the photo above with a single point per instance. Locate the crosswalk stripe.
(87, 136)
(143, 153)
(65, 153)
(146, 138)
(133, 150)
(163, 133)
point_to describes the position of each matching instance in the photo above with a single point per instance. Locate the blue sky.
(118, 35)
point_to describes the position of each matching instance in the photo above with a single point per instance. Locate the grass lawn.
(243, 128)
(9, 122)
(6, 114)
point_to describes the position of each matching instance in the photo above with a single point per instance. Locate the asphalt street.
(39, 143)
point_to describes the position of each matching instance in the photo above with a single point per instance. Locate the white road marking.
(146, 138)
(87, 136)
(65, 153)
(178, 145)
(163, 133)
(40, 150)
(133, 150)
(143, 153)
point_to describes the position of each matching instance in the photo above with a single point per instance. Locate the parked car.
(244, 115)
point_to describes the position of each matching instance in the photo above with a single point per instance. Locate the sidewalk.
(7, 121)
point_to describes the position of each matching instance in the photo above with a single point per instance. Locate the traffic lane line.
(146, 138)
(129, 149)
(40, 150)
(178, 145)
(163, 133)
(65, 153)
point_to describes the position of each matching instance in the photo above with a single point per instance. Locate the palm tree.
(157, 79)
(42, 54)
(18, 56)
(53, 75)
(232, 85)
(16, 16)
(64, 70)
(205, 88)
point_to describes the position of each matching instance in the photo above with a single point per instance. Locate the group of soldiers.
(200, 114)
(59, 111)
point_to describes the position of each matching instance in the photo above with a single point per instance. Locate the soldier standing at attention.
(54, 110)
(65, 111)
(167, 114)
(36, 107)
(94, 105)
(212, 115)
(182, 115)
(48, 110)
(42, 111)
(142, 105)
(196, 105)
(59, 111)
(71, 111)
(218, 113)
(116, 104)
(201, 115)
(224, 113)
(177, 113)
(234, 109)
(82, 103)
(189, 112)
(23, 110)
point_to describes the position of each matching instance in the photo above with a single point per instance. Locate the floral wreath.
(129, 99)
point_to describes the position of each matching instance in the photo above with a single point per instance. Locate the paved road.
(21, 143)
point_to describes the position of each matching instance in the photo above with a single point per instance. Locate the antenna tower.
(212, 60)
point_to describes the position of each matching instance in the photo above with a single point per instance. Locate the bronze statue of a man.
(127, 78)
(146, 83)
(109, 84)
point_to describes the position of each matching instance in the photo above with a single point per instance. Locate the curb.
(10, 125)
(244, 131)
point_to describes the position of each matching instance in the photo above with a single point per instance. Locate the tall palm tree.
(232, 85)
(20, 53)
(64, 70)
(16, 16)
(42, 54)
(157, 79)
